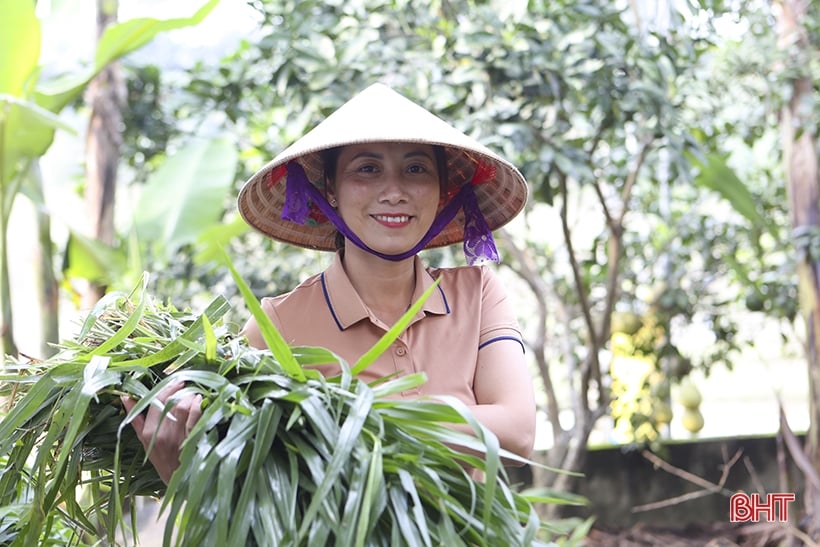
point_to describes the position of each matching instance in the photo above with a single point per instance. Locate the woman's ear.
(330, 191)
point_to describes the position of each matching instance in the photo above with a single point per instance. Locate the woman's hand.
(170, 433)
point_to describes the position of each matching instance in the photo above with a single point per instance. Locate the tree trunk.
(106, 96)
(47, 286)
(7, 345)
(800, 163)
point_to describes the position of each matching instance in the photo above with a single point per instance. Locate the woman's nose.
(394, 190)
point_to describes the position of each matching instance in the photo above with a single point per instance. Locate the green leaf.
(210, 340)
(418, 509)
(93, 260)
(373, 487)
(549, 495)
(268, 417)
(716, 175)
(348, 435)
(19, 45)
(117, 41)
(390, 336)
(27, 113)
(101, 307)
(218, 307)
(129, 325)
(307, 355)
(38, 398)
(96, 377)
(30, 136)
(399, 384)
(216, 237)
(186, 195)
(270, 335)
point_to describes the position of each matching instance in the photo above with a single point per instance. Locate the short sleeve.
(498, 317)
(251, 328)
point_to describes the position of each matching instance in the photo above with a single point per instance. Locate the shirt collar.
(347, 307)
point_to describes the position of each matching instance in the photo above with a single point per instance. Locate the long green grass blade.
(96, 377)
(210, 340)
(390, 336)
(215, 310)
(102, 305)
(267, 417)
(356, 473)
(128, 327)
(370, 498)
(417, 510)
(399, 384)
(221, 523)
(409, 531)
(41, 396)
(269, 528)
(348, 434)
(272, 337)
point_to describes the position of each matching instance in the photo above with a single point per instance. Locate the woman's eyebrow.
(379, 156)
(418, 153)
(370, 155)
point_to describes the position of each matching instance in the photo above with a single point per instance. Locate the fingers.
(138, 423)
(173, 425)
(163, 433)
(154, 416)
(194, 413)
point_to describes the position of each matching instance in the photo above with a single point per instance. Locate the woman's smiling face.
(387, 193)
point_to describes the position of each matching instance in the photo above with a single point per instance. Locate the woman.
(379, 180)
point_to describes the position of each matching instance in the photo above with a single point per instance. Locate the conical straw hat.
(378, 114)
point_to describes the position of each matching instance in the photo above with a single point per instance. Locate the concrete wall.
(618, 479)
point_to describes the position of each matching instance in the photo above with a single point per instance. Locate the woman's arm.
(504, 395)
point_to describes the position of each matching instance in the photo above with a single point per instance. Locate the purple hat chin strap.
(479, 245)
(297, 194)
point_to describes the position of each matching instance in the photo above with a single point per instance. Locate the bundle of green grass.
(281, 455)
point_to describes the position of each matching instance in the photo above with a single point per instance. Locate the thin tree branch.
(753, 475)
(800, 459)
(631, 179)
(527, 272)
(694, 479)
(669, 502)
(576, 275)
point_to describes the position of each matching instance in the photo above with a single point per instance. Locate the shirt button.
(400, 351)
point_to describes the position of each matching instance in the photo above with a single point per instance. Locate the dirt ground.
(721, 534)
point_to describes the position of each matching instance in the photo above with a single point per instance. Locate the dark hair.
(330, 160)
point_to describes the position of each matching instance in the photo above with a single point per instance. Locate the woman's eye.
(417, 169)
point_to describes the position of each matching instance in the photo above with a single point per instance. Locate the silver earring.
(332, 202)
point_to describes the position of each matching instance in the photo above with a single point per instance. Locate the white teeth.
(392, 219)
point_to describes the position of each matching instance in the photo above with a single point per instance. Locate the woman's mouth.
(392, 220)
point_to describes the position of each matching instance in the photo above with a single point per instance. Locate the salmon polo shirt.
(468, 311)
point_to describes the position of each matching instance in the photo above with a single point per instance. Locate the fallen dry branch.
(708, 487)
